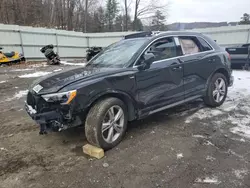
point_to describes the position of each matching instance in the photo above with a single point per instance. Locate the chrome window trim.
(134, 66)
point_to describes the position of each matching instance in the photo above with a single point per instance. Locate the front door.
(161, 83)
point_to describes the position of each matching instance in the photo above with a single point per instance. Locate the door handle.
(212, 60)
(177, 68)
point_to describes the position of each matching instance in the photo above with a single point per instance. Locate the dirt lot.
(189, 146)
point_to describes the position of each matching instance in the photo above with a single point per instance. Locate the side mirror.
(145, 64)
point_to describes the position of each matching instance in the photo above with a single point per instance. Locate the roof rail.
(139, 35)
(143, 34)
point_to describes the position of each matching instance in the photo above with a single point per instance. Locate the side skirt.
(175, 104)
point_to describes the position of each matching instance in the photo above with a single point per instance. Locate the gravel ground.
(187, 146)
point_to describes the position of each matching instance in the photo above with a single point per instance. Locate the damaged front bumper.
(51, 120)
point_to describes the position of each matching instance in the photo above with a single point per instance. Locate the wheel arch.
(124, 97)
(222, 71)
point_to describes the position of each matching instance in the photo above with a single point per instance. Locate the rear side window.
(204, 45)
(189, 45)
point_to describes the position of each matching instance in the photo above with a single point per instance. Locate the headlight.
(63, 98)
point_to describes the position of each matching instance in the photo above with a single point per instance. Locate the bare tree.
(127, 4)
(145, 7)
(78, 15)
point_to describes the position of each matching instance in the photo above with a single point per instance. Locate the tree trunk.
(52, 13)
(86, 16)
(137, 2)
(126, 15)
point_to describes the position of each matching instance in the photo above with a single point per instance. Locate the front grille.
(37, 102)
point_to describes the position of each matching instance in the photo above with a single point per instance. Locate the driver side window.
(161, 49)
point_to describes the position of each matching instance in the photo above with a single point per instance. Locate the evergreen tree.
(111, 12)
(158, 22)
(245, 19)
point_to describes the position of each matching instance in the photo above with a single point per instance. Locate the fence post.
(87, 38)
(21, 41)
(57, 47)
(248, 36)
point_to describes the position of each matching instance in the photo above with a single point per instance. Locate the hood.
(54, 82)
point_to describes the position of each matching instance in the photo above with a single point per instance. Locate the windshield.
(118, 54)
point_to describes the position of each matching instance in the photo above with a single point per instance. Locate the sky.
(206, 10)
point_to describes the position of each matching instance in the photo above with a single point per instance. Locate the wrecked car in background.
(240, 56)
(51, 56)
(130, 80)
(92, 51)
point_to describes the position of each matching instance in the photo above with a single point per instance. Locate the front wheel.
(216, 91)
(106, 123)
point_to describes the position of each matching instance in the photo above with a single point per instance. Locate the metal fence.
(227, 36)
(68, 44)
(73, 45)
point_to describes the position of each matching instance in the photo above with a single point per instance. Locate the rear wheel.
(216, 91)
(106, 123)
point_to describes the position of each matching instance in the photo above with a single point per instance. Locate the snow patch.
(3, 81)
(208, 143)
(179, 155)
(213, 180)
(19, 70)
(75, 64)
(210, 158)
(242, 123)
(21, 94)
(240, 174)
(204, 114)
(3, 149)
(240, 140)
(198, 136)
(18, 95)
(57, 70)
(39, 65)
(242, 130)
(36, 74)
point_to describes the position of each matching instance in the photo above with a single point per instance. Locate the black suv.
(129, 80)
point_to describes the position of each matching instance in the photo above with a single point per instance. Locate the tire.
(211, 95)
(99, 114)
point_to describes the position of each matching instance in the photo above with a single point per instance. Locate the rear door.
(161, 84)
(198, 63)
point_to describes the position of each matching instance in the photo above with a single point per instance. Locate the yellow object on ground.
(93, 151)
(10, 57)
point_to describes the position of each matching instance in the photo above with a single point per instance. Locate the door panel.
(197, 69)
(160, 85)
(198, 65)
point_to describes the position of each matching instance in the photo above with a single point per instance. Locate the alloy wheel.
(219, 90)
(113, 124)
